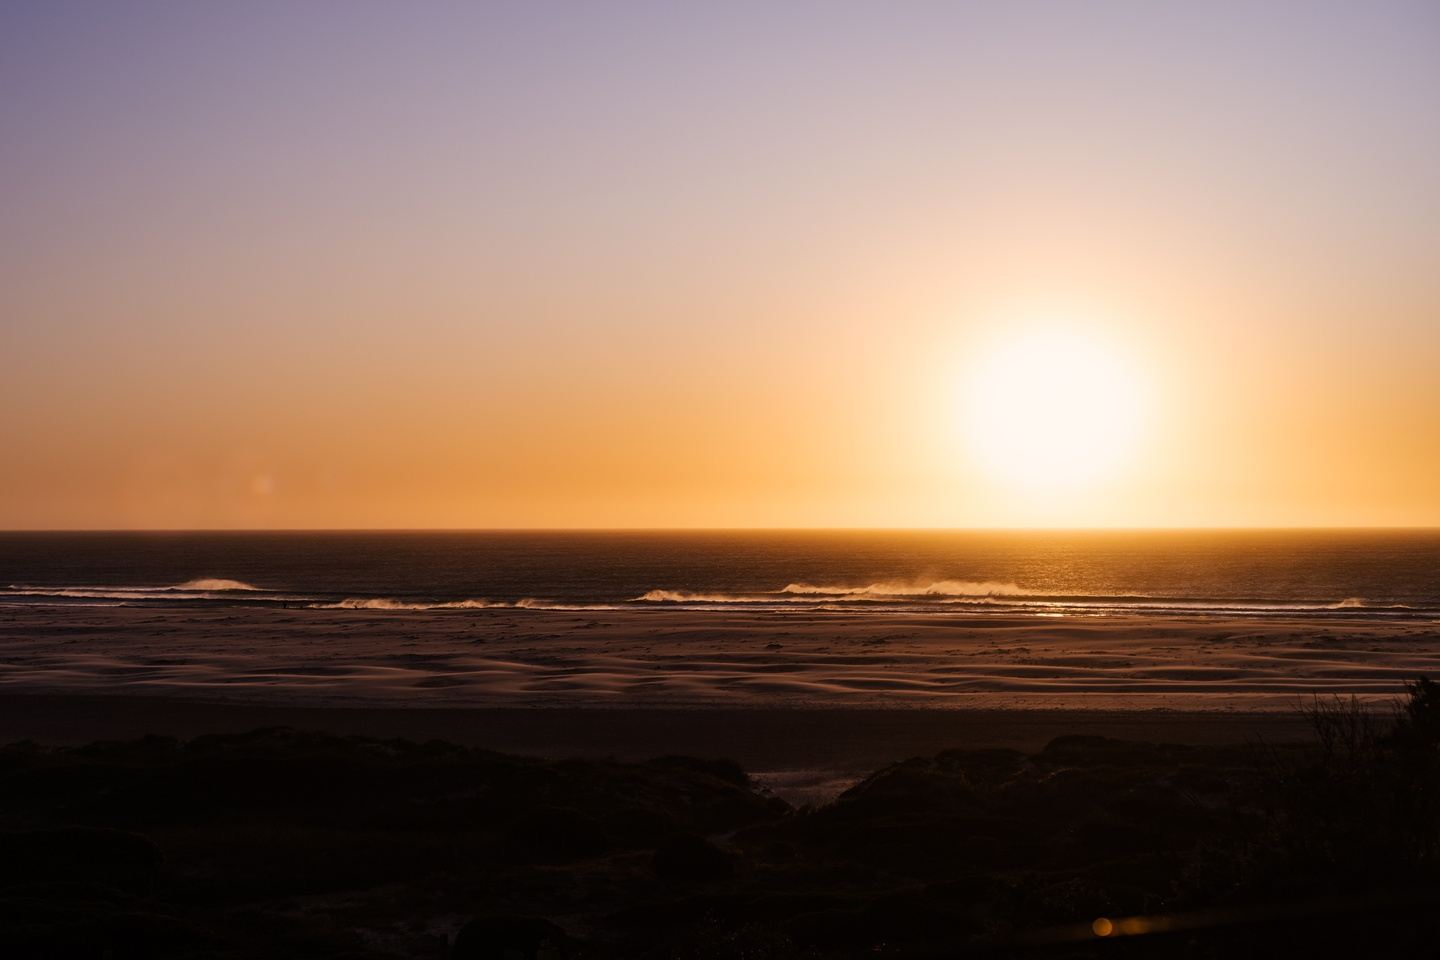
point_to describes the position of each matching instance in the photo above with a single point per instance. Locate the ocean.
(1330, 573)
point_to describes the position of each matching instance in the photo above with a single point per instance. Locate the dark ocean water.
(1260, 573)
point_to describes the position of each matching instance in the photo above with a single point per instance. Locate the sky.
(535, 264)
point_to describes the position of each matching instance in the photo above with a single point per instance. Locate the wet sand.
(807, 702)
(709, 659)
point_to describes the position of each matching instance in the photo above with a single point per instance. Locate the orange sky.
(718, 270)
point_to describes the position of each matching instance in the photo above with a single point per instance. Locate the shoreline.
(804, 703)
(709, 660)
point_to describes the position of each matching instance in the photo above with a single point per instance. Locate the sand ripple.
(669, 657)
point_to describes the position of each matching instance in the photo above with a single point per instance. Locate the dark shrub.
(509, 938)
(691, 859)
(114, 858)
(725, 770)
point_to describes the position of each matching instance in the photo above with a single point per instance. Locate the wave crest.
(880, 590)
(386, 603)
(687, 596)
(1356, 603)
(913, 588)
(213, 583)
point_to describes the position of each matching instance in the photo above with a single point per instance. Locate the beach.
(755, 745)
(806, 702)
(706, 659)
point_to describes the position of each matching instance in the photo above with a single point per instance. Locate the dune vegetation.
(284, 842)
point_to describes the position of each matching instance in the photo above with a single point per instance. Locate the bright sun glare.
(1052, 408)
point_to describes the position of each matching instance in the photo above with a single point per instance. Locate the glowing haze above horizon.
(735, 264)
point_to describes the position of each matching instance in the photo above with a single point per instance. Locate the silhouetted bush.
(124, 861)
(1357, 810)
(284, 843)
(691, 859)
(511, 938)
(1417, 719)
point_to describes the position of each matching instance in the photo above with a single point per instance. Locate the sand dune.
(687, 658)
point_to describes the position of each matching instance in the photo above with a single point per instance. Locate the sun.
(1052, 407)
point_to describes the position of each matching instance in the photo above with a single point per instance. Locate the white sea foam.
(880, 596)
(532, 603)
(809, 592)
(214, 583)
(910, 588)
(1352, 603)
(190, 590)
(387, 603)
(688, 596)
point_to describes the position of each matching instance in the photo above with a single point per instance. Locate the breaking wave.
(922, 595)
(387, 603)
(1360, 603)
(199, 589)
(879, 591)
(687, 596)
(918, 595)
(209, 583)
(912, 588)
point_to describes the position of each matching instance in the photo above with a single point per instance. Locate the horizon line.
(1196, 528)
